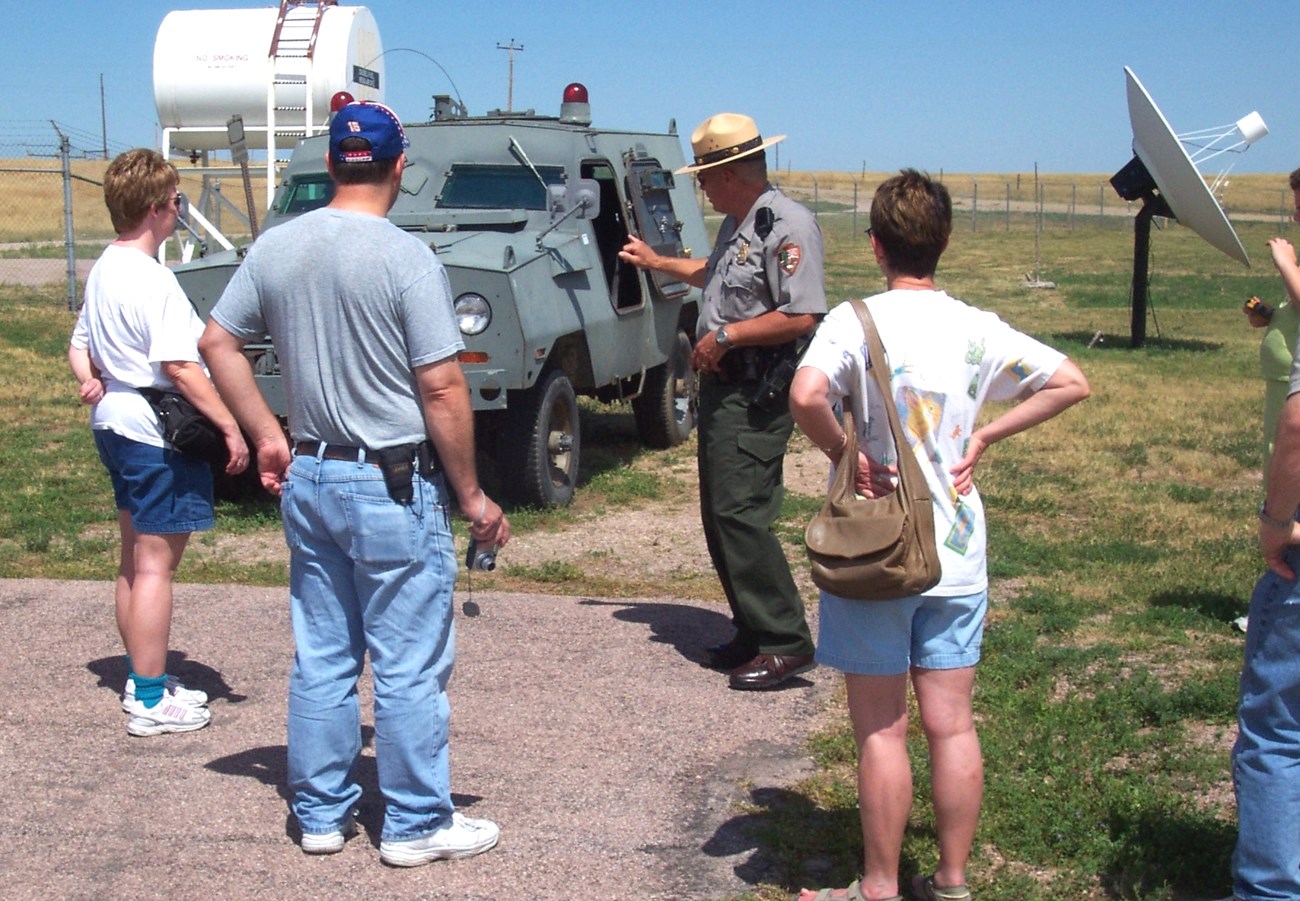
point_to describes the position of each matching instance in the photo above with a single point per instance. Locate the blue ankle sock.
(149, 689)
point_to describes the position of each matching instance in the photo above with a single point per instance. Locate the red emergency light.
(574, 109)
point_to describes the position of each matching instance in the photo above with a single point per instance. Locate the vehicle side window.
(476, 187)
(307, 194)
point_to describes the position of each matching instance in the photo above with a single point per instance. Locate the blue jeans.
(1266, 757)
(368, 575)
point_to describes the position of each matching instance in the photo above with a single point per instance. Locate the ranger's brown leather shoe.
(769, 671)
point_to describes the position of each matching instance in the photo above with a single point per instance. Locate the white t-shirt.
(946, 358)
(135, 318)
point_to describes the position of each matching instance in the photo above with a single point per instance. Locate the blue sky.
(995, 86)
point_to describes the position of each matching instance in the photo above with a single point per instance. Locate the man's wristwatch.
(721, 337)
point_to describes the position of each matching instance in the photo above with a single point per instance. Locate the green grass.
(1121, 549)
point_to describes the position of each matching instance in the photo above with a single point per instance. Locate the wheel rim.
(559, 444)
(685, 387)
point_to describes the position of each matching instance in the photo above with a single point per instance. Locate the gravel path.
(616, 764)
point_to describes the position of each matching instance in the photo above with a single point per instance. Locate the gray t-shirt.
(353, 304)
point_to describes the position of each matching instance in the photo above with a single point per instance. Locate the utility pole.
(103, 121)
(511, 49)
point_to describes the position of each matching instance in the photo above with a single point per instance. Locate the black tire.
(665, 409)
(544, 444)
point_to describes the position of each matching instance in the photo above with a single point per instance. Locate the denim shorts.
(886, 638)
(165, 492)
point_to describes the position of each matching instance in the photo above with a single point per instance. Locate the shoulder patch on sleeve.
(788, 258)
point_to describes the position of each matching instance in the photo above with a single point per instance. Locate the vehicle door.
(651, 217)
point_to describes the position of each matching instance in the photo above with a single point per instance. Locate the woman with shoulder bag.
(137, 330)
(944, 359)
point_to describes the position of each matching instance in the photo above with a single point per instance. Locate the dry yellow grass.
(1264, 193)
(31, 203)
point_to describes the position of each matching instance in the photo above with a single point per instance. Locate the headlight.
(473, 313)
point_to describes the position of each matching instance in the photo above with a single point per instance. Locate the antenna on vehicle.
(517, 149)
(1164, 177)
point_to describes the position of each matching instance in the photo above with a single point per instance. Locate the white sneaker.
(465, 837)
(328, 842)
(173, 687)
(169, 715)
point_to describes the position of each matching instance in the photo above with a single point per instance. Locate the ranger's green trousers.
(741, 451)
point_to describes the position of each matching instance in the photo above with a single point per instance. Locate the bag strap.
(911, 481)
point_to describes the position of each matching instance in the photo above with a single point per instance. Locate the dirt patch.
(649, 545)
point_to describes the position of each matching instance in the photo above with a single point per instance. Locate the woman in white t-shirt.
(945, 359)
(138, 330)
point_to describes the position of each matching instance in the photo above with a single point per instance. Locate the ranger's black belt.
(747, 364)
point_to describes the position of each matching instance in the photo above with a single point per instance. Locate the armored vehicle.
(528, 213)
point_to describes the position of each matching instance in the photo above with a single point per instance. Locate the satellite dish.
(1164, 176)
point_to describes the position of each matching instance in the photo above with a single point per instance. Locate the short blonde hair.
(136, 181)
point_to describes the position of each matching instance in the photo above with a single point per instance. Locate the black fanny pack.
(185, 428)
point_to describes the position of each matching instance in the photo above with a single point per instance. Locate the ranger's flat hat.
(725, 138)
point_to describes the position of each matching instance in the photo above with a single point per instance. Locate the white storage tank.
(211, 64)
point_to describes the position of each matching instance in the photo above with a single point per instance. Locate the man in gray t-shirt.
(382, 438)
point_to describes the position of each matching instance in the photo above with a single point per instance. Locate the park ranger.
(763, 294)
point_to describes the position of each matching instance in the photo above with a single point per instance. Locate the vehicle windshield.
(477, 187)
(305, 194)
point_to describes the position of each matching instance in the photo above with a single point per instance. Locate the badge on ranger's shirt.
(788, 258)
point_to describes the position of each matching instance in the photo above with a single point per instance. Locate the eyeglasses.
(700, 176)
(870, 232)
(178, 201)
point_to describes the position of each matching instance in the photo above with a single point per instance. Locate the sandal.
(926, 890)
(852, 893)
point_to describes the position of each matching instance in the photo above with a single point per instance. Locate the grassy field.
(31, 203)
(1121, 547)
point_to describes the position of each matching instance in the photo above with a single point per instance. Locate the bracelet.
(1273, 521)
(839, 447)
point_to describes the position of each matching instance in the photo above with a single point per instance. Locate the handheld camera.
(485, 559)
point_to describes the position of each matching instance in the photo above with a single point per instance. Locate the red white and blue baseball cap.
(373, 122)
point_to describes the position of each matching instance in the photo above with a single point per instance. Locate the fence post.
(69, 238)
(855, 208)
(1008, 184)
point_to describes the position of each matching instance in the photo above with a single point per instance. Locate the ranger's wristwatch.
(721, 337)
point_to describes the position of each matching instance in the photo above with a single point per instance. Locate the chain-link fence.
(53, 223)
(1029, 201)
(48, 207)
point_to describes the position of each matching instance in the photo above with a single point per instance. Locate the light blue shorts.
(165, 492)
(886, 638)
